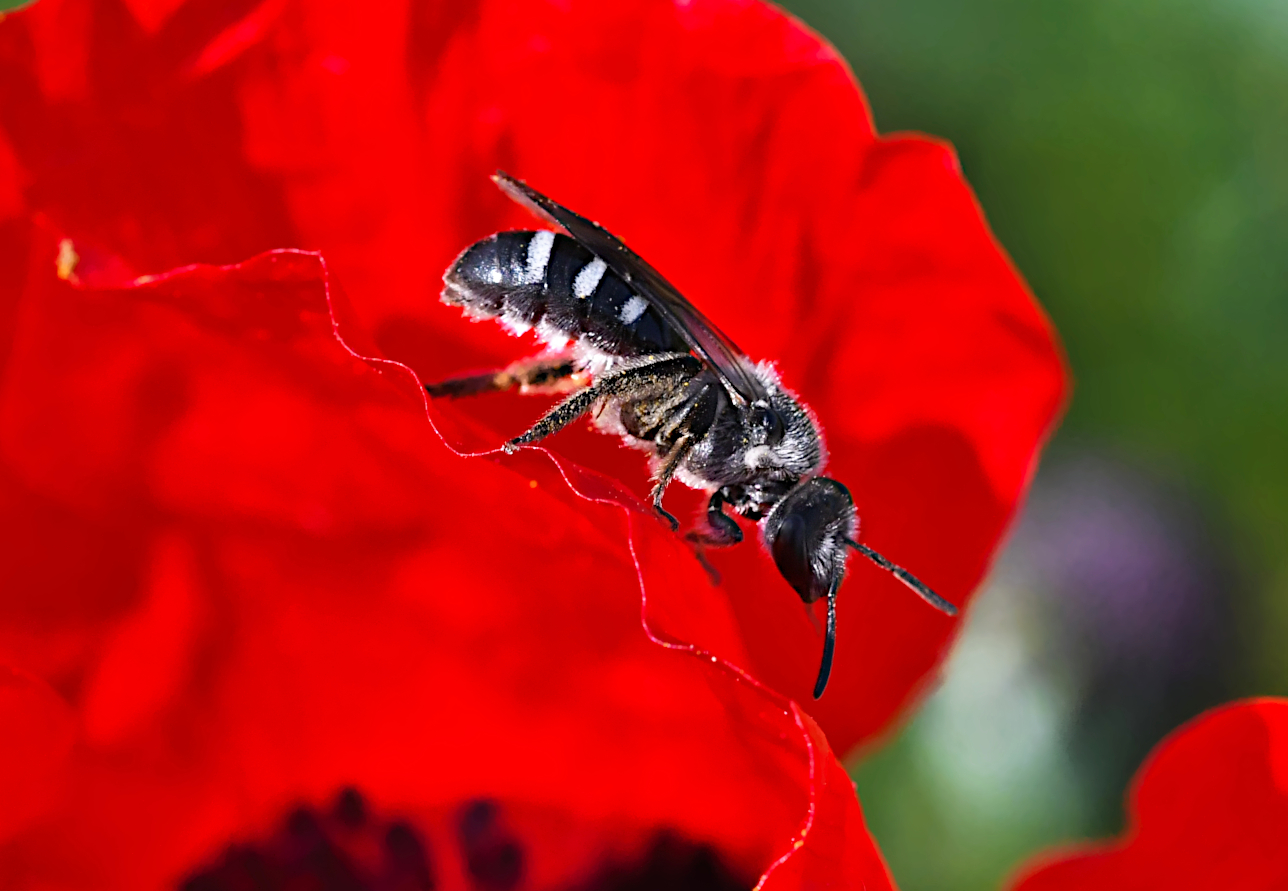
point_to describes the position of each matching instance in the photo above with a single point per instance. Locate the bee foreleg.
(539, 374)
(721, 531)
(648, 373)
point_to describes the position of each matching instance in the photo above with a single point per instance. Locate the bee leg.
(679, 437)
(664, 475)
(529, 375)
(721, 530)
(652, 371)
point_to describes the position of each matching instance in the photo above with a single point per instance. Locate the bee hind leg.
(650, 372)
(539, 374)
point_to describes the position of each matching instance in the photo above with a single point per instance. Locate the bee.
(654, 370)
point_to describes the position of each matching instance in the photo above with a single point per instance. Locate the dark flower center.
(672, 863)
(349, 848)
(493, 858)
(344, 850)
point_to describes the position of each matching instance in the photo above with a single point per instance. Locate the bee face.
(807, 534)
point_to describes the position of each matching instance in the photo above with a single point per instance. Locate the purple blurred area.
(1140, 587)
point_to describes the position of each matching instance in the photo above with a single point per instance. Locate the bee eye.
(770, 421)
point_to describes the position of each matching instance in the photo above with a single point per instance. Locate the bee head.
(809, 533)
(806, 534)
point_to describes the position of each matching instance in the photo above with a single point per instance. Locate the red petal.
(721, 139)
(1209, 809)
(313, 591)
(38, 733)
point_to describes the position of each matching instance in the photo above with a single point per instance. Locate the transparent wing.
(705, 339)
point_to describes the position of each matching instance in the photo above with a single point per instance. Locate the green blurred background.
(1132, 155)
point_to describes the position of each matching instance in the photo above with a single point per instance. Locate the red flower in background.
(1209, 809)
(247, 572)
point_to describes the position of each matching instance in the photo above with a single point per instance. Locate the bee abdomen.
(549, 281)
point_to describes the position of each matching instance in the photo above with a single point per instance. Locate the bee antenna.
(906, 577)
(829, 644)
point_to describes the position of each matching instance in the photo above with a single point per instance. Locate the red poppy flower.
(249, 572)
(1209, 809)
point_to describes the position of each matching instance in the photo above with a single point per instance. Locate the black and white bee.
(658, 373)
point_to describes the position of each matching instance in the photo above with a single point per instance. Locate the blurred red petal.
(311, 590)
(11, 203)
(38, 730)
(148, 658)
(1209, 809)
(151, 14)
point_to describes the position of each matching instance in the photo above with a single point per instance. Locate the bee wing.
(703, 337)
